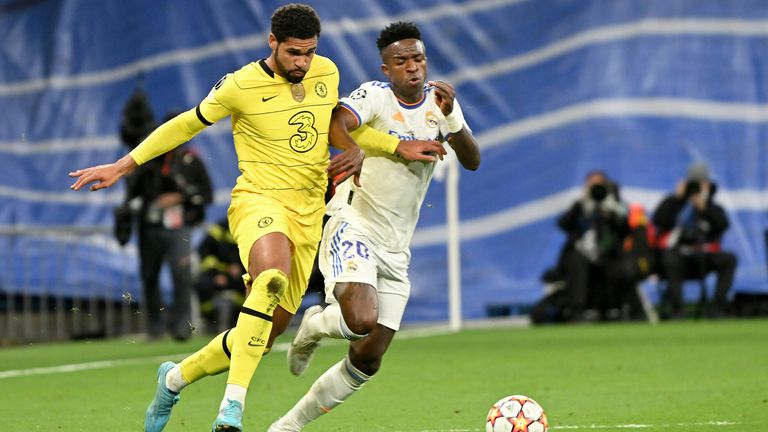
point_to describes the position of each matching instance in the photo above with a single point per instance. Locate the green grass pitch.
(683, 376)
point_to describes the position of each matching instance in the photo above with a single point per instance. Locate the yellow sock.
(254, 324)
(210, 360)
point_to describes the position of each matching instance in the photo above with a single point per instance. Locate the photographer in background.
(596, 226)
(220, 285)
(168, 195)
(690, 228)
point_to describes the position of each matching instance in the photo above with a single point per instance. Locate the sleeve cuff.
(369, 138)
(354, 113)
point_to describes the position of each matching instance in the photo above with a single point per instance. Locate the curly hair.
(397, 32)
(295, 20)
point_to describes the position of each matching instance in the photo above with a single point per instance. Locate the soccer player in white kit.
(364, 252)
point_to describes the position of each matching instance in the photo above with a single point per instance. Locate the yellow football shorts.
(256, 216)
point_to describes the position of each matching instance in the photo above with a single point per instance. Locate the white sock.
(234, 392)
(331, 389)
(330, 323)
(174, 381)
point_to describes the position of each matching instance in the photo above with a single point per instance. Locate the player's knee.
(358, 306)
(266, 291)
(361, 322)
(274, 281)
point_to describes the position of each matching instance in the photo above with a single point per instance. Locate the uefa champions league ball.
(516, 414)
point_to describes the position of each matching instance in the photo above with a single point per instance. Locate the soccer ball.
(516, 414)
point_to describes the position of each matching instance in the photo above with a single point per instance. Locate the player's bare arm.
(466, 148)
(350, 162)
(104, 175)
(461, 141)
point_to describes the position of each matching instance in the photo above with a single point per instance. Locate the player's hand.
(347, 164)
(444, 96)
(104, 176)
(420, 150)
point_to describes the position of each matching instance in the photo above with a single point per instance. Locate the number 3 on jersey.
(305, 137)
(351, 249)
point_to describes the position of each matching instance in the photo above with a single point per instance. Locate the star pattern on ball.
(494, 415)
(516, 414)
(521, 423)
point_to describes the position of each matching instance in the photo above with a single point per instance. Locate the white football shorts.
(346, 254)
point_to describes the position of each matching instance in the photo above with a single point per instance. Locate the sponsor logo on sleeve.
(358, 94)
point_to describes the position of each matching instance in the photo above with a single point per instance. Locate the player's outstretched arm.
(104, 176)
(169, 135)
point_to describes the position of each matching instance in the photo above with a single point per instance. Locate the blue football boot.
(159, 410)
(230, 418)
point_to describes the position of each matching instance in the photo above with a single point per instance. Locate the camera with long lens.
(692, 187)
(598, 192)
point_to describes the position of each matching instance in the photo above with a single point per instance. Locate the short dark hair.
(295, 20)
(397, 32)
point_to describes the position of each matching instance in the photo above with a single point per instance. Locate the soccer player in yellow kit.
(281, 109)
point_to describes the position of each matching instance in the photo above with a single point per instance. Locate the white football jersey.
(393, 188)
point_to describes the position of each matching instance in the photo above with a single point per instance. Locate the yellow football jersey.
(280, 131)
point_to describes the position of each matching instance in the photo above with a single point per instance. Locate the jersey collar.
(263, 64)
(414, 105)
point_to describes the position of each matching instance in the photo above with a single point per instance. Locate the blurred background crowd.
(624, 159)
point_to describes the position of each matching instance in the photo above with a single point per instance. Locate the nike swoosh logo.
(264, 99)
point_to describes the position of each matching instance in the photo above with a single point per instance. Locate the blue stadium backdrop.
(552, 88)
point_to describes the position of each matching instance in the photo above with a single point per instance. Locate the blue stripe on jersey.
(352, 110)
(335, 256)
(427, 89)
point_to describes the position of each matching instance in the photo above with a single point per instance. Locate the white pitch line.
(599, 427)
(283, 347)
(79, 367)
(647, 426)
(105, 364)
